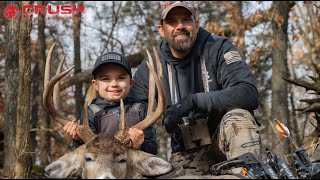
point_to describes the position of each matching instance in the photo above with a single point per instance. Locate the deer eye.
(122, 161)
(88, 157)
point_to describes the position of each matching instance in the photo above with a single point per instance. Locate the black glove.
(174, 114)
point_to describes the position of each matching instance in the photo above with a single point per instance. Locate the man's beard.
(181, 45)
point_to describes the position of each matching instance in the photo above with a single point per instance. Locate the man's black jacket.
(230, 82)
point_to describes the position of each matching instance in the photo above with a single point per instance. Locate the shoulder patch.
(95, 108)
(232, 56)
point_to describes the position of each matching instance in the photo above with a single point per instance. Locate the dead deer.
(103, 155)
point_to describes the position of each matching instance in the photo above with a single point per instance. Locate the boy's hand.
(71, 129)
(136, 137)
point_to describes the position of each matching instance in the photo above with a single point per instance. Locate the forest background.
(279, 40)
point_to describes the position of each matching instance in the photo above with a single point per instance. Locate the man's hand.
(174, 114)
(137, 137)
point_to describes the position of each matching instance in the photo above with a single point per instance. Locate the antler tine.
(122, 125)
(151, 87)
(84, 131)
(56, 89)
(159, 67)
(122, 134)
(161, 99)
(48, 64)
(161, 95)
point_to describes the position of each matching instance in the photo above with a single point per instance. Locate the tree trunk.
(279, 86)
(23, 164)
(34, 109)
(77, 61)
(238, 24)
(3, 4)
(11, 78)
(297, 133)
(44, 119)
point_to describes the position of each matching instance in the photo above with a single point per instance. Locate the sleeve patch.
(232, 56)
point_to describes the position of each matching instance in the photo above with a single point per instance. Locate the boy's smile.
(115, 92)
(112, 82)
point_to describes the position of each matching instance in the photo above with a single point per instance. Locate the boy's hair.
(111, 57)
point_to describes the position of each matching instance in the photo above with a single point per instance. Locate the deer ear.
(153, 166)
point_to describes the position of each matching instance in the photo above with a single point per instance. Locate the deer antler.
(122, 134)
(150, 119)
(56, 89)
(85, 134)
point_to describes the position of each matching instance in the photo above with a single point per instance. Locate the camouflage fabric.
(237, 133)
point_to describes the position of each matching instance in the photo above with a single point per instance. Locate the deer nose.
(54, 169)
(47, 172)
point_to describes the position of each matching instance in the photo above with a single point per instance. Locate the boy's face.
(112, 82)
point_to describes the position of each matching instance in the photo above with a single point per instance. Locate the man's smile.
(181, 36)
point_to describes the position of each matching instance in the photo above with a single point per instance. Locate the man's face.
(112, 82)
(180, 29)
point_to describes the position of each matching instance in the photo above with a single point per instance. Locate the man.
(209, 90)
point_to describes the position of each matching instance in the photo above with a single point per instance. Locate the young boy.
(113, 80)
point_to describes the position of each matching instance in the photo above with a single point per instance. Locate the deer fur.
(106, 158)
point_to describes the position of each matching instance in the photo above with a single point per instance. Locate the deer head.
(104, 155)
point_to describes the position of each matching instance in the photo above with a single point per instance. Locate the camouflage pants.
(237, 134)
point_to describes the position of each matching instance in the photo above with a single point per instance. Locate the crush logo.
(13, 12)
